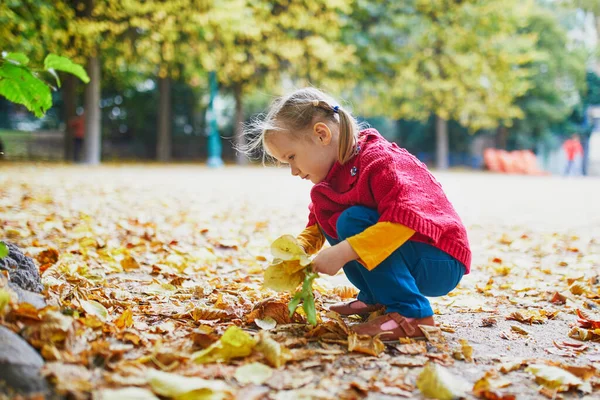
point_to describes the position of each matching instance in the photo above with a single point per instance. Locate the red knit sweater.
(389, 179)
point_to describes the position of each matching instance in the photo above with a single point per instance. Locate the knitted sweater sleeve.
(402, 189)
(311, 239)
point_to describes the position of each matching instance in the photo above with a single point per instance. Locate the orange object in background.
(490, 160)
(514, 162)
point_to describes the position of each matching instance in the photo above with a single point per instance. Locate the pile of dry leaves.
(147, 300)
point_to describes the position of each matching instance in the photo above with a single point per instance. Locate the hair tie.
(316, 103)
(336, 109)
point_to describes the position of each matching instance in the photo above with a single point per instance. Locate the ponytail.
(348, 136)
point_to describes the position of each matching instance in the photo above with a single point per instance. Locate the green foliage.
(461, 60)
(306, 297)
(3, 250)
(54, 63)
(22, 85)
(559, 77)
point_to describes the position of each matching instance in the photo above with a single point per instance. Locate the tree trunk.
(92, 139)
(441, 130)
(163, 143)
(69, 94)
(501, 137)
(240, 140)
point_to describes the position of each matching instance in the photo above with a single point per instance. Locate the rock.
(26, 296)
(19, 366)
(22, 270)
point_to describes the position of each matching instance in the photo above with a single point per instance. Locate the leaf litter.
(152, 296)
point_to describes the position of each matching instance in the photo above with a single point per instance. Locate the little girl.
(389, 223)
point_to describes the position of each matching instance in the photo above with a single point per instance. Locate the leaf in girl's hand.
(306, 297)
(277, 278)
(287, 248)
(294, 303)
(308, 304)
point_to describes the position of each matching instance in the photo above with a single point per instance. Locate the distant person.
(390, 225)
(77, 124)
(572, 148)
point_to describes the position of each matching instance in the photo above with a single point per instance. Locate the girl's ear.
(322, 133)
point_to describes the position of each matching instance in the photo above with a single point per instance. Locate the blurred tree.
(555, 87)
(37, 27)
(160, 38)
(263, 41)
(456, 59)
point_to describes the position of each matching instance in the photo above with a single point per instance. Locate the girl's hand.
(331, 260)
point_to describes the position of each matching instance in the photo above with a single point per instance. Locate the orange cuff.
(378, 242)
(311, 239)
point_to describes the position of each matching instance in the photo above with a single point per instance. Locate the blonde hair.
(295, 113)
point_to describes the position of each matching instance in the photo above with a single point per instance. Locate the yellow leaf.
(553, 377)
(94, 308)
(365, 344)
(255, 373)
(128, 393)
(287, 248)
(125, 320)
(275, 353)
(55, 327)
(519, 330)
(277, 278)
(488, 385)
(234, 343)
(183, 387)
(4, 301)
(438, 383)
(129, 263)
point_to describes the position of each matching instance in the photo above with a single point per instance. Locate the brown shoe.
(404, 327)
(353, 307)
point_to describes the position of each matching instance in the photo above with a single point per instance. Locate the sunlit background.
(176, 80)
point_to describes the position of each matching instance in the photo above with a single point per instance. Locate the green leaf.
(309, 308)
(20, 86)
(3, 250)
(19, 58)
(308, 302)
(64, 64)
(294, 303)
(306, 297)
(55, 75)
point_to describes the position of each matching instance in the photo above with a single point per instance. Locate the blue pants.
(402, 280)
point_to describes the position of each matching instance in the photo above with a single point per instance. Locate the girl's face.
(310, 155)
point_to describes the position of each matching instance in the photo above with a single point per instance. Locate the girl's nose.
(295, 171)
